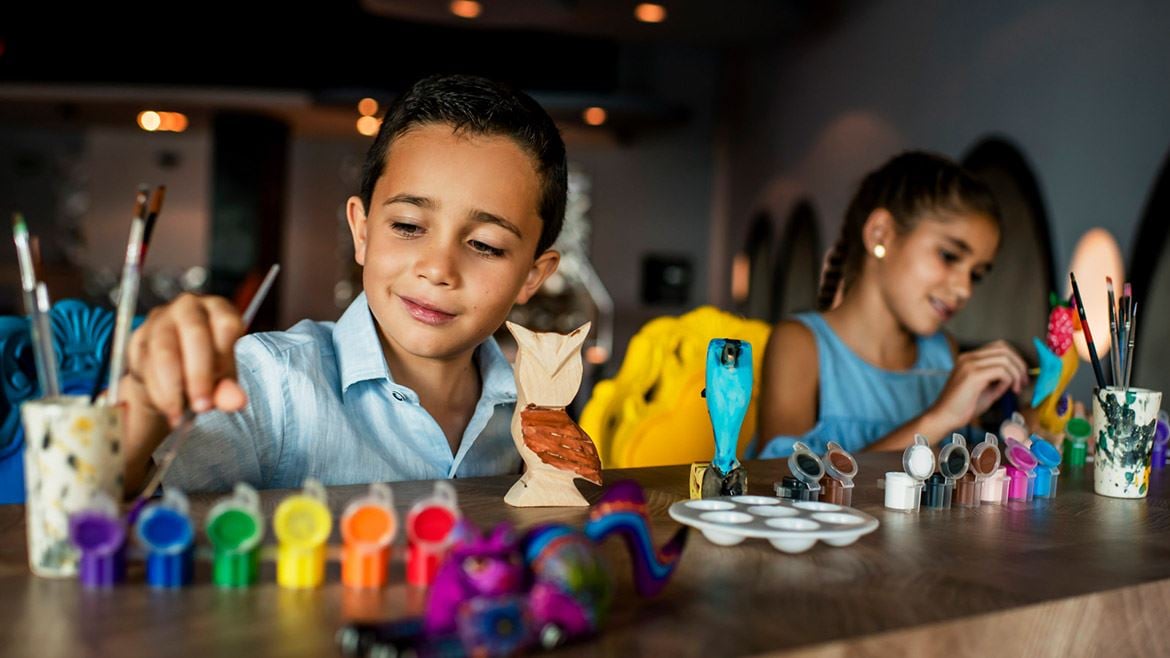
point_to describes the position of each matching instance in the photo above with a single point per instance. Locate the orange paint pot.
(367, 528)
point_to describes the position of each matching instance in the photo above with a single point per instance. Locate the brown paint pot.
(967, 491)
(836, 491)
(840, 469)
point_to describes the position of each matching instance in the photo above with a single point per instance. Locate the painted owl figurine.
(555, 449)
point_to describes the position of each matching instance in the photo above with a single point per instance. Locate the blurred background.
(714, 145)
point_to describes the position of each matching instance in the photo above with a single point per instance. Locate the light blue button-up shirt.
(322, 403)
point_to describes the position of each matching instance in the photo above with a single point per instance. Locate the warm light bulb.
(368, 126)
(1095, 257)
(466, 8)
(596, 354)
(367, 107)
(650, 12)
(594, 116)
(740, 277)
(149, 120)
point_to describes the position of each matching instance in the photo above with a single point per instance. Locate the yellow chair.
(652, 413)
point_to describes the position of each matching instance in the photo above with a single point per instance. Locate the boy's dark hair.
(479, 106)
(906, 186)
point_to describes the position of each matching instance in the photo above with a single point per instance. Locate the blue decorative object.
(728, 393)
(80, 335)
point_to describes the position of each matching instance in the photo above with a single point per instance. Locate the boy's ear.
(879, 228)
(542, 268)
(355, 214)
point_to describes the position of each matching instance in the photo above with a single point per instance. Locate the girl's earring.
(879, 251)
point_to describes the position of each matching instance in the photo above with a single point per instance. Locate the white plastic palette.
(790, 526)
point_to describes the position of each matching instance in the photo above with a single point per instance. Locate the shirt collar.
(356, 344)
(360, 357)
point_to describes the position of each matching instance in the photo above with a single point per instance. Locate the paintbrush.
(42, 338)
(1080, 304)
(1132, 330)
(184, 427)
(128, 294)
(1115, 346)
(155, 207)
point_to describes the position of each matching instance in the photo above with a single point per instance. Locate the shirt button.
(398, 396)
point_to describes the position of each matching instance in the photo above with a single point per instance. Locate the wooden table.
(1077, 574)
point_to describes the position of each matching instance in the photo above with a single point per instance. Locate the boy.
(463, 193)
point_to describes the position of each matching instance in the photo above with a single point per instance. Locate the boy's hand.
(183, 355)
(979, 378)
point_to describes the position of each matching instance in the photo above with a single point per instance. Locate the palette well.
(790, 526)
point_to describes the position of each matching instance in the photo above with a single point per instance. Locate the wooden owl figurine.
(555, 450)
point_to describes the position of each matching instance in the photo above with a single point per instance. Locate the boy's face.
(448, 240)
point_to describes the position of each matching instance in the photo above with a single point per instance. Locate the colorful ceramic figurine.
(1058, 364)
(728, 393)
(499, 594)
(555, 450)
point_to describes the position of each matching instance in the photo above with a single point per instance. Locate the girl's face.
(928, 272)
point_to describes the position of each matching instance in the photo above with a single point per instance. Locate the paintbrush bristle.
(156, 199)
(19, 227)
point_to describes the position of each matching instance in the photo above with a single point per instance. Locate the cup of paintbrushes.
(1124, 422)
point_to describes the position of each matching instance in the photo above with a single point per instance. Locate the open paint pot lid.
(1044, 452)
(98, 529)
(806, 466)
(303, 520)
(985, 457)
(1019, 456)
(235, 523)
(431, 520)
(918, 459)
(1015, 428)
(164, 527)
(839, 464)
(953, 459)
(370, 522)
(1078, 429)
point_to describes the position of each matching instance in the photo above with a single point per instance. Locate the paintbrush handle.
(1129, 350)
(127, 302)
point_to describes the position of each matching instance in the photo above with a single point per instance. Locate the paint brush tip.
(19, 227)
(156, 199)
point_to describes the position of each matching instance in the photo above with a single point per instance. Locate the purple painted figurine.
(498, 595)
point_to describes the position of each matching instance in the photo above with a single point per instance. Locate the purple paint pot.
(100, 538)
(1161, 437)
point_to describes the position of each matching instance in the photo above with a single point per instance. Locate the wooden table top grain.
(1076, 574)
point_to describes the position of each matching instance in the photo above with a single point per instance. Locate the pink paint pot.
(1021, 471)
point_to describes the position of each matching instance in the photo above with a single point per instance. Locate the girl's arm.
(788, 402)
(978, 379)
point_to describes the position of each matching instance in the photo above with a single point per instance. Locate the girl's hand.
(979, 378)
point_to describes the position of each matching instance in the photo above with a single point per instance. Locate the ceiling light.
(594, 116)
(650, 12)
(466, 8)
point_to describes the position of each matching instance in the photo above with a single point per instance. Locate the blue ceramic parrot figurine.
(728, 393)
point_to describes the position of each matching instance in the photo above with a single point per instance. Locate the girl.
(873, 368)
